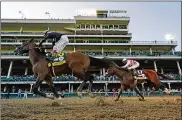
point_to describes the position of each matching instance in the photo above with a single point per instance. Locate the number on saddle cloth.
(59, 57)
(60, 54)
(140, 73)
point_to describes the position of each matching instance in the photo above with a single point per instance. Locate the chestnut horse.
(127, 80)
(76, 63)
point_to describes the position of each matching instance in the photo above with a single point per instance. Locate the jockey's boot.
(49, 56)
(134, 72)
(134, 76)
(55, 57)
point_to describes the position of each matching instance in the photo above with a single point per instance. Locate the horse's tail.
(164, 76)
(98, 62)
(162, 85)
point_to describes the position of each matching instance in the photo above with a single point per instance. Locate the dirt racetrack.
(154, 108)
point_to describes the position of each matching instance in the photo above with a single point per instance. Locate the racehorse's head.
(113, 67)
(25, 47)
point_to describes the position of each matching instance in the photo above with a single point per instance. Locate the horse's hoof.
(50, 97)
(91, 95)
(140, 99)
(79, 94)
(116, 100)
(59, 98)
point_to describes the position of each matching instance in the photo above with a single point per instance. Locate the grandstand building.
(103, 34)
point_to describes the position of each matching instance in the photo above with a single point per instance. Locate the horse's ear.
(31, 40)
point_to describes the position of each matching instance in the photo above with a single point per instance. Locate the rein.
(40, 48)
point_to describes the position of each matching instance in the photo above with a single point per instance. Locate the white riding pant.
(61, 44)
(134, 66)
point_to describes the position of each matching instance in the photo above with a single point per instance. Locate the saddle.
(138, 74)
(56, 60)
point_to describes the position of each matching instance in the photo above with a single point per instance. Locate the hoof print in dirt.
(55, 104)
(140, 99)
(100, 101)
(178, 100)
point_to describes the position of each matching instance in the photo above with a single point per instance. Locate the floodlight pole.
(47, 13)
(20, 12)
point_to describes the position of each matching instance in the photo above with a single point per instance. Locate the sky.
(149, 20)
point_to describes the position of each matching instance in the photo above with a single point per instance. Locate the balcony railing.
(104, 41)
(115, 54)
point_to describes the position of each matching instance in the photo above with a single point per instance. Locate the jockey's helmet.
(124, 60)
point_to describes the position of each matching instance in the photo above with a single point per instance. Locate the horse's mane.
(111, 62)
(41, 52)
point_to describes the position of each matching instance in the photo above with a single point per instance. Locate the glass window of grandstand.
(78, 26)
(102, 15)
(22, 40)
(99, 15)
(87, 26)
(97, 26)
(82, 26)
(116, 27)
(92, 26)
(110, 26)
(105, 26)
(122, 27)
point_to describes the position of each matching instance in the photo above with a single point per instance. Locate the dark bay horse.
(76, 63)
(127, 80)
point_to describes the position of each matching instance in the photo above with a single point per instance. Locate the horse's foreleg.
(79, 89)
(90, 78)
(79, 73)
(36, 91)
(137, 91)
(90, 86)
(51, 85)
(55, 91)
(120, 92)
(40, 79)
(90, 89)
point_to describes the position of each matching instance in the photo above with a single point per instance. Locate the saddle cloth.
(60, 59)
(140, 74)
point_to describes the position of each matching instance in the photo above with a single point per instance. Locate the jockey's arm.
(127, 64)
(138, 63)
(44, 39)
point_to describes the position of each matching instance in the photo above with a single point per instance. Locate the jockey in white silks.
(59, 41)
(131, 65)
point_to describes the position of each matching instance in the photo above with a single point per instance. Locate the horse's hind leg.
(137, 91)
(79, 89)
(79, 73)
(90, 86)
